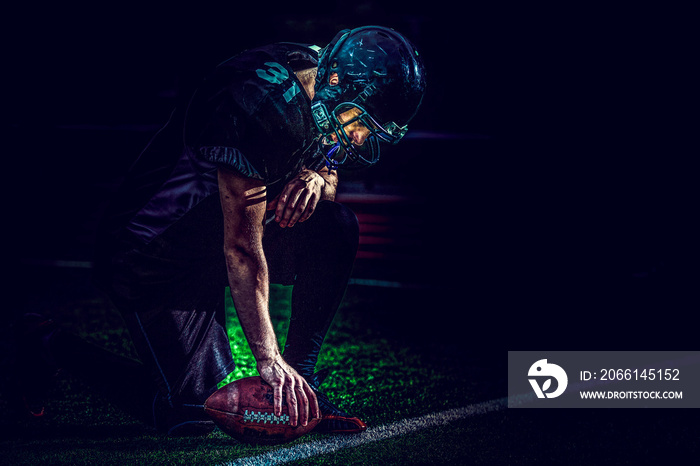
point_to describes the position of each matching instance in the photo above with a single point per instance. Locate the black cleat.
(181, 421)
(333, 419)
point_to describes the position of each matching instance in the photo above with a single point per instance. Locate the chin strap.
(330, 162)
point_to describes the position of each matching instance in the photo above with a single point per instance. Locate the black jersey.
(250, 115)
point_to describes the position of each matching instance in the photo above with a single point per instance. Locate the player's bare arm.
(243, 204)
(331, 186)
(299, 198)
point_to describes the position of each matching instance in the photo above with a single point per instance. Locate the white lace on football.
(262, 417)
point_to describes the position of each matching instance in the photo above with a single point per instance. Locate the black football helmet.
(381, 77)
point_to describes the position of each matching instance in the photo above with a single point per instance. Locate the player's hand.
(301, 399)
(298, 199)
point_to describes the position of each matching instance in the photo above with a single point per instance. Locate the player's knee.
(338, 224)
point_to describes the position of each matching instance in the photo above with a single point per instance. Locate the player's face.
(356, 131)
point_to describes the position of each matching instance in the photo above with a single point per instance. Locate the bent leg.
(174, 310)
(188, 354)
(317, 257)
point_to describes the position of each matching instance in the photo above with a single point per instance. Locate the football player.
(237, 190)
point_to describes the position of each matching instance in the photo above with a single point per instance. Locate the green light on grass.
(280, 308)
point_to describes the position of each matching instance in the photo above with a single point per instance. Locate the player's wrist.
(268, 359)
(323, 181)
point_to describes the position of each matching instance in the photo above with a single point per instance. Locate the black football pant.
(177, 321)
(315, 256)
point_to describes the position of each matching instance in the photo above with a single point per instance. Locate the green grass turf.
(375, 375)
(388, 363)
(280, 301)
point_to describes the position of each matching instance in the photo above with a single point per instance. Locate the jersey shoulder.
(264, 73)
(254, 105)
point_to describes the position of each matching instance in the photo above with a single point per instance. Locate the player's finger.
(310, 207)
(303, 404)
(313, 402)
(272, 205)
(281, 202)
(289, 208)
(302, 204)
(277, 399)
(292, 404)
(287, 198)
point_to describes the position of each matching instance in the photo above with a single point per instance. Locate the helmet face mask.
(388, 132)
(343, 150)
(380, 85)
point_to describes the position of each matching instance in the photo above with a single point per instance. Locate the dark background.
(555, 185)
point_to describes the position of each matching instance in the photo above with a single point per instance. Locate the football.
(244, 410)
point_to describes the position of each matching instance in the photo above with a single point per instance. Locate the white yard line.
(331, 444)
